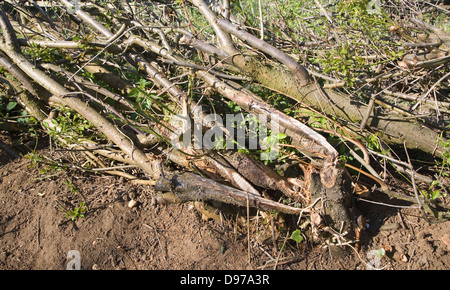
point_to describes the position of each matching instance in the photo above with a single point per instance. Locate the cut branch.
(63, 96)
(224, 38)
(299, 71)
(253, 105)
(186, 187)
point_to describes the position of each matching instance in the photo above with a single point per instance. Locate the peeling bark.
(186, 187)
(261, 175)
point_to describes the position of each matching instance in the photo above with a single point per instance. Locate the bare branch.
(190, 187)
(63, 96)
(224, 38)
(299, 71)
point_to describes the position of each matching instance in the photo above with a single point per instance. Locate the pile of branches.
(120, 71)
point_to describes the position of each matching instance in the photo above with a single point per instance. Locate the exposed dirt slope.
(35, 233)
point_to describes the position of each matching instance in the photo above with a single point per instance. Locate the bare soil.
(36, 234)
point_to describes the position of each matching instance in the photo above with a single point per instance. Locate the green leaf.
(11, 105)
(134, 92)
(297, 236)
(436, 194)
(281, 136)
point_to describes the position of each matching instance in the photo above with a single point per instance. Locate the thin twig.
(385, 204)
(432, 88)
(248, 227)
(368, 112)
(413, 181)
(279, 253)
(261, 20)
(157, 237)
(38, 229)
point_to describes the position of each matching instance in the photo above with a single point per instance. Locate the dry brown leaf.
(315, 218)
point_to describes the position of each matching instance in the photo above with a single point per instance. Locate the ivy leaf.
(297, 236)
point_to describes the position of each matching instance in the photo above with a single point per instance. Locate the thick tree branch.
(190, 187)
(253, 105)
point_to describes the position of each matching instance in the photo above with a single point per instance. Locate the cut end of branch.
(328, 174)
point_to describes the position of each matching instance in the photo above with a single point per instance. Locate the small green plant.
(77, 212)
(272, 141)
(10, 109)
(39, 53)
(297, 236)
(434, 189)
(234, 107)
(71, 187)
(50, 167)
(445, 163)
(342, 60)
(433, 192)
(69, 125)
(373, 143)
(318, 122)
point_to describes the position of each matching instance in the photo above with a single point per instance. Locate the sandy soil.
(36, 234)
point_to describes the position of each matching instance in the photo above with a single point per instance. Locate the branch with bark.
(212, 66)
